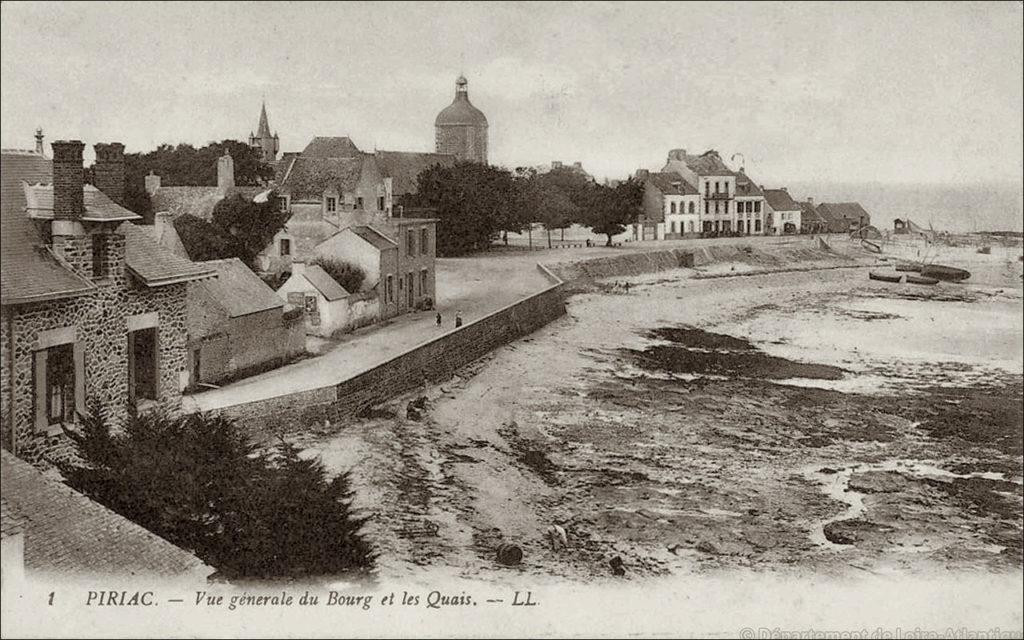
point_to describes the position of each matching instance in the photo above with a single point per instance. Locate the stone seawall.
(429, 363)
(626, 264)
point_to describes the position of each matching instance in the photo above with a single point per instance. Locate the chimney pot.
(68, 201)
(108, 172)
(39, 140)
(152, 183)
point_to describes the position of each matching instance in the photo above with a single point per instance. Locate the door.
(409, 288)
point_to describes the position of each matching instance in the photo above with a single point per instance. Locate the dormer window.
(359, 203)
(332, 204)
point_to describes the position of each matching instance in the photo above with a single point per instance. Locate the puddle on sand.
(835, 483)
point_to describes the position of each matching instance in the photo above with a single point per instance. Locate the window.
(757, 206)
(60, 383)
(285, 247)
(410, 243)
(757, 225)
(707, 188)
(707, 207)
(332, 204)
(143, 364)
(689, 225)
(359, 202)
(716, 207)
(691, 211)
(673, 207)
(424, 285)
(424, 241)
(380, 203)
(389, 288)
(282, 203)
(99, 256)
(717, 187)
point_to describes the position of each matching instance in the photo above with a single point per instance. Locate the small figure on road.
(627, 286)
(439, 319)
(458, 319)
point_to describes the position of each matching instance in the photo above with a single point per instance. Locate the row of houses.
(700, 196)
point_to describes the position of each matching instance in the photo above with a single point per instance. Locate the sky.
(884, 92)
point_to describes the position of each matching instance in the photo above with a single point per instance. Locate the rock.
(557, 538)
(878, 482)
(618, 568)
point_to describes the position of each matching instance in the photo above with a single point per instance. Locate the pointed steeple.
(264, 128)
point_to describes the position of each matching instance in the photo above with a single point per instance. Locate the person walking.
(458, 319)
(439, 318)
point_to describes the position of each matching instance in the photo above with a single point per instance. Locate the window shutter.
(39, 388)
(79, 351)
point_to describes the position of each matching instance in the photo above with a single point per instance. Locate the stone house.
(329, 309)
(670, 206)
(783, 214)
(238, 326)
(93, 307)
(715, 183)
(199, 201)
(373, 252)
(750, 205)
(843, 217)
(810, 220)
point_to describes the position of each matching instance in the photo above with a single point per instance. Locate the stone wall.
(99, 321)
(625, 264)
(431, 362)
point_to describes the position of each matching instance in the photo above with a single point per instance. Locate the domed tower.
(461, 128)
(266, 143)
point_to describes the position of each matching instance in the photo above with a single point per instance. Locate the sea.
(957, 208)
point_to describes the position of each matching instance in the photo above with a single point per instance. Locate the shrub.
(348, 275)
(198, 482)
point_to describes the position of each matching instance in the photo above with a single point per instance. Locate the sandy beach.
(805, 422)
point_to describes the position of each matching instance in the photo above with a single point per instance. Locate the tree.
(613, 208)
(198, 482)
(348, 275)
(254, 224)
(552, 208)
(206, 241)
(472, 201)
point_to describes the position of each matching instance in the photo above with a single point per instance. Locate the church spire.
(264, 129)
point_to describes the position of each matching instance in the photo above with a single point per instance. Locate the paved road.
(475, 286)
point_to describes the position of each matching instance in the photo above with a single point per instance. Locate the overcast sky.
(853, 92)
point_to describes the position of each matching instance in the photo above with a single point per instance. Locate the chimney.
(556, 164)
(577, 165)
(152, 182)
(643, 174)
(108, 171)
(225, 172)
(68, 203)
(810, 201)
(785, 189)
(39, 140)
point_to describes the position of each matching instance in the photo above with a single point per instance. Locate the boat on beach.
(885, 277)
(910, 266)
(942, 272)
(921, 280)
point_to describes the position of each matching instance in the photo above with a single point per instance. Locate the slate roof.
(165, 233)
(379, 240)
(809, 214)
(324, 283)
(403, 167)
(67, 532)
(844, 210)
(331, 147)
(154, 264)
(308, 178)
(672, 184)
(98, 206)
(745, 187)
(780, 200)
(195, 201)
(30, 271)
(237, 289)
(708, 163)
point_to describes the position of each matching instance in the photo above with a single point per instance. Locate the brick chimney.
(39, 140)
(68, 238)
(225, 173)
(810, 201)
(152, 183)
(68, 202)
(109, 170)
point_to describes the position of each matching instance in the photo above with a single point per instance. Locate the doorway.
(143, 364)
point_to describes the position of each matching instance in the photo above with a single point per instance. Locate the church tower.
(268, 144)
(461, 129)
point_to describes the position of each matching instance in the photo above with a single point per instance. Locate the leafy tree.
(198, 482)
(473, 202)
(577, 186)
(254, 224)
(348, 275)
(207, 241)
(611, 209)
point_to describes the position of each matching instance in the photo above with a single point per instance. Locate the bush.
(348, 275)
(199, 483)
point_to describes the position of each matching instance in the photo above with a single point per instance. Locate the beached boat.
(910, 266)
(885, 277)
(921, 280)
(942, 272)
(871, 246)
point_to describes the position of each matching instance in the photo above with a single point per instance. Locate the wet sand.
(802, 423)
